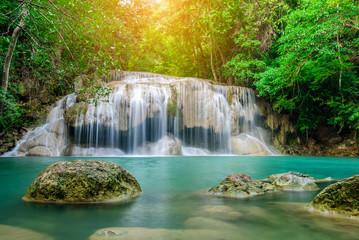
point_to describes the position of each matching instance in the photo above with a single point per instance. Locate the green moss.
(229, 96)
(71, 113)
(172, 103)
(341, 197)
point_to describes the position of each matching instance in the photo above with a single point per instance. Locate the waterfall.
(152, 114)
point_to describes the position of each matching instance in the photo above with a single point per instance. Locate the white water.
(49, 139)
(150, 114)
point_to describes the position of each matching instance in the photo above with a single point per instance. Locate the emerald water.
(172, 199)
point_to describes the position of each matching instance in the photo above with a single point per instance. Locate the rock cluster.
(83, 181)
(241, 185)
(341, 197)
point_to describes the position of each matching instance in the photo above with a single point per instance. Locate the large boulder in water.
(240, 185)
(83, 181)
(341, 197)
(292, 181)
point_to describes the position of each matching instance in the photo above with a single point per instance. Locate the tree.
(314, 71)
(12, 45)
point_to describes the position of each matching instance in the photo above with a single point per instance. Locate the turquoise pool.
(173, 199)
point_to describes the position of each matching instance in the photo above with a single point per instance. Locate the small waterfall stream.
(151, 114)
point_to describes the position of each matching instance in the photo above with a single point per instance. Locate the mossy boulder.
(241, 185)
(83, 181)
(341, 197)
(292, 181)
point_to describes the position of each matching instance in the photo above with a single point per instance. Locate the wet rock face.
(83, 181)
(244, 144)
(240, 185)
(168, 145)
(341, 197)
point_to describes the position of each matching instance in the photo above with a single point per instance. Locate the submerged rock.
(241, 185)
(83, 181)
(292, 181)
(10, 232)
(341, 197)
(210, 224)
(218, 212)
(156, 234)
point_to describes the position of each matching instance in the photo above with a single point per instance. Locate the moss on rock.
(292, 181)
(240, 185)
(83, 181)
(71, 113)
(341, 197)
(172, 103)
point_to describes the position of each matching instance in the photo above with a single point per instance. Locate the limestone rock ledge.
(83, 181)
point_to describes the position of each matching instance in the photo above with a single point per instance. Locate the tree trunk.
(217, 66)
(203, 61)
(15, 35)
(194, 50)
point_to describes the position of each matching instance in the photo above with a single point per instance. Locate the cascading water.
(151, 114)
(47, 140)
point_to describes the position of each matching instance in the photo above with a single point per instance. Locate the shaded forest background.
(302, 56)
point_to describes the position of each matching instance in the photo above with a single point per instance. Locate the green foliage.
(172, 103)
(94, 94)
(11, 111)
(301, 55)
(313, 75)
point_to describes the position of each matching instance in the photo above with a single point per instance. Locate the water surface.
(173, 199)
